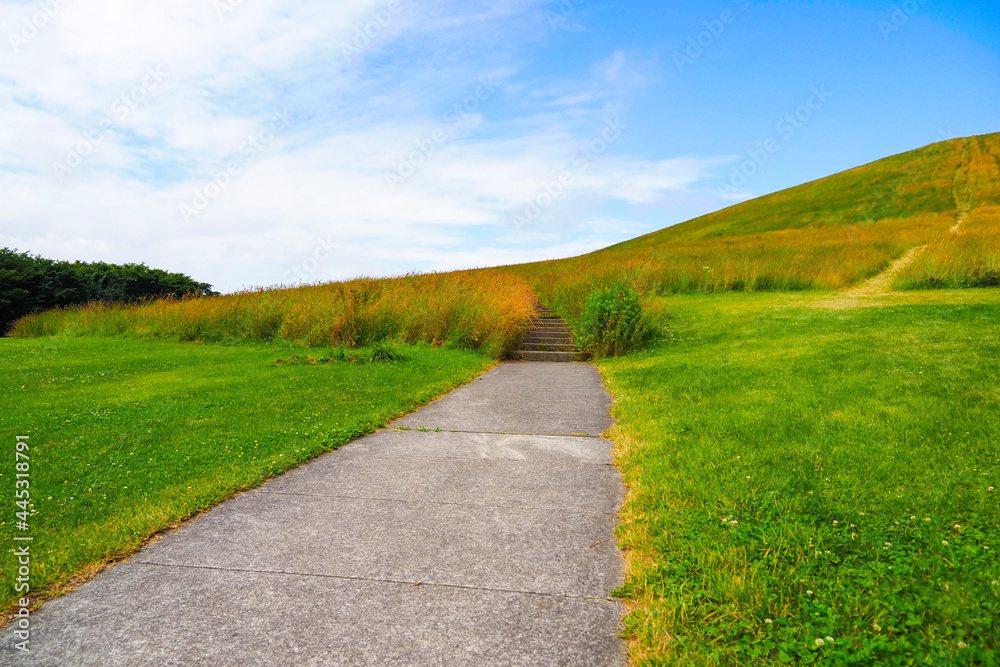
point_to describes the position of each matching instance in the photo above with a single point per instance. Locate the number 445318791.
(23, 490)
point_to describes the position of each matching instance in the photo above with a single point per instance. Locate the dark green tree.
(30, 283)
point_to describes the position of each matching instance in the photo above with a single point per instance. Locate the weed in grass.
(612, 322)
(382, 353)
(378, 353)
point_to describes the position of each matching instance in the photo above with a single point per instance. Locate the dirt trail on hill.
(882, 284)
(963, 189)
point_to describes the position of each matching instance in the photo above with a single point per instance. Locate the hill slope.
(827, 234)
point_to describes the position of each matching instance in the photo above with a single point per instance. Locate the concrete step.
(529, 355)
(549, 347)
(549, 334)
(548, 340)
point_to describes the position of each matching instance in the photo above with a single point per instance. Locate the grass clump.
(128, 437)
(378, 353)
(612, 322)
(969, 258)
(806, 488)
(382, 353)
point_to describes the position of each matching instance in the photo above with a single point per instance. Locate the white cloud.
(644, 181)
(323, 177)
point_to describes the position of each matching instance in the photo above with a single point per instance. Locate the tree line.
(30, 283)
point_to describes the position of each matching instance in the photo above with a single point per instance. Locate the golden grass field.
(479, 310)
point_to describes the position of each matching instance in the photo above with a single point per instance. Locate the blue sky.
(257, 142)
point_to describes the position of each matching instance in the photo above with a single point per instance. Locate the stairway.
(549, 340)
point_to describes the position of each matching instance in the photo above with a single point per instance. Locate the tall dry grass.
(486, 311)
(828, 257)
(969, 257)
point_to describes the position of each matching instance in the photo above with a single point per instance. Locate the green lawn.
(128, 437)
(813, 485)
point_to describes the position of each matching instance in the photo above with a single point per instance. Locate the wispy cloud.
(80, 90)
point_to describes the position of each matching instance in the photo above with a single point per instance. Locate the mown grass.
(799, 473)
(485, 311)
(128, 437)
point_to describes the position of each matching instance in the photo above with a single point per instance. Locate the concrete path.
(490, 542)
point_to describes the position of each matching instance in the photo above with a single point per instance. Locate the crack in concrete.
(373, 580)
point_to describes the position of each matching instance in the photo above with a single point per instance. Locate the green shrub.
(613, 322)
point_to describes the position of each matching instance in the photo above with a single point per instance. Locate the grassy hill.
(828, 234)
